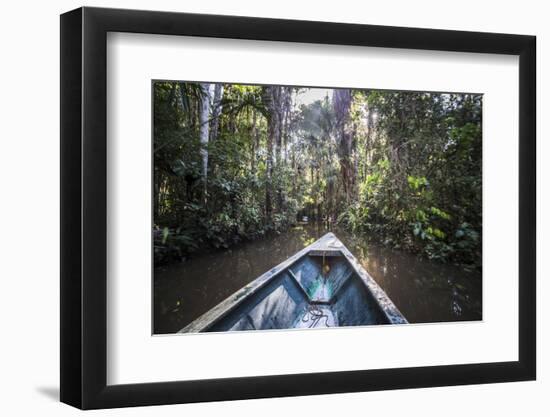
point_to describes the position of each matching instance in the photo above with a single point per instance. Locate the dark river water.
(424, 291)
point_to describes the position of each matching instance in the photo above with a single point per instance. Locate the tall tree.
(204, 127)
(342, 108)
(254, 141)
(271, 98)
(286, 106)
(217, 108)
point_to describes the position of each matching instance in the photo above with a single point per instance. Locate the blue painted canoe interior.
(314, 292)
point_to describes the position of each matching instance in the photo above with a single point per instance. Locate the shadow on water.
(424, 291)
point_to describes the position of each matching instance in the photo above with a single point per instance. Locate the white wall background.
(29, 164)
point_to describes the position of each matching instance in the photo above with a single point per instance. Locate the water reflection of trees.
(424, 291)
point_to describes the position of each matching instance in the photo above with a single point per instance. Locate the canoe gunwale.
(221, 310)
(328, 245)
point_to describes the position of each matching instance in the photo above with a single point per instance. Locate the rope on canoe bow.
(315, 316)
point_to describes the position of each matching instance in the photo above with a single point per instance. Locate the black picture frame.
(84, 207)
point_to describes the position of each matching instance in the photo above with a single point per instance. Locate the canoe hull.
(321, 286)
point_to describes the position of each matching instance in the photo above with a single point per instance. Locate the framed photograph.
(256, 208)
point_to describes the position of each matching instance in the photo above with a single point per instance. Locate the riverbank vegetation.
(235, 162)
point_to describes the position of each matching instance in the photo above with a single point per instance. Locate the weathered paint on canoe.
(323, 285)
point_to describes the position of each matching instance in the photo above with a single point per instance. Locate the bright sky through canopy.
(310, 95)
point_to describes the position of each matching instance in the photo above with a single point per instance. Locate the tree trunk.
(272, 100)
(216, 111)
(254, 137)
(276, 109)
(204, 127)
(342, 105)
(285, 130)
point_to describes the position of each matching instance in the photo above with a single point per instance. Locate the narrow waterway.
(423, 290)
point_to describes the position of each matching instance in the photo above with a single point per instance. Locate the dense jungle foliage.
(234, 162)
